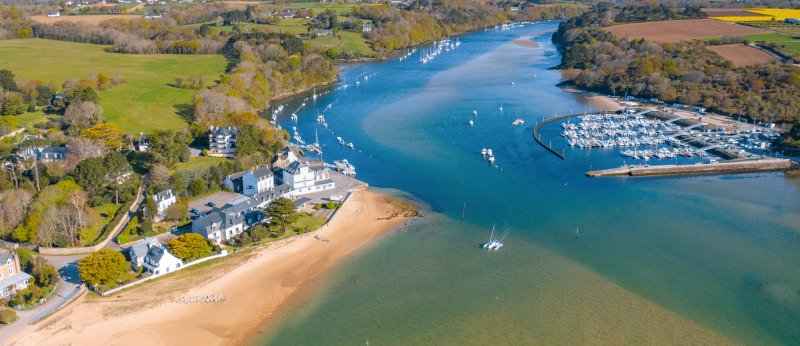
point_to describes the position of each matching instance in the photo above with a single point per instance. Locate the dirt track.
(743, 55)
(681, 30)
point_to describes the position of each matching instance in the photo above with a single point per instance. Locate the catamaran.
(493, 244)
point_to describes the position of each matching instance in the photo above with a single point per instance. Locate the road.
(67, 266)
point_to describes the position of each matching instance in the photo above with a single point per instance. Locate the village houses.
(251, 182)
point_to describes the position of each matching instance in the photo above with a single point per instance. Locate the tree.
(178, 211)
(204, 30)
(189, 246)
(102, 267)
(282, 212)
(197, 187)
(90, 175)
(12, 105)
(149, 211)
(82, 115)
(110, 134)
(159, 177)
(43, 95)
(7, 80)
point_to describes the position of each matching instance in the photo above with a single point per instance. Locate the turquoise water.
(717, 253)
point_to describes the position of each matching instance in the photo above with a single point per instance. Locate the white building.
(164, 200)
(139, 251)
(251, 182)
(222, 140)
(159, 261)
(367, 27)
(304, 179)
(12, 278)
(229, 221)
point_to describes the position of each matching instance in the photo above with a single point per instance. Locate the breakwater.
(550, 147)
(725, 167)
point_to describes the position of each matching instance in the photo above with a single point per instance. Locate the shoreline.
(256, 290)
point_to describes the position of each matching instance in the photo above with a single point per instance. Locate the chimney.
(17, 269)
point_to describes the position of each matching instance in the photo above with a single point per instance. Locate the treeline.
(684, 72)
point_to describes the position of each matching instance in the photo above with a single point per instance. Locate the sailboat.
(493, 244)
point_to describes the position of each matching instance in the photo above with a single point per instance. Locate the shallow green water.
(659, 260)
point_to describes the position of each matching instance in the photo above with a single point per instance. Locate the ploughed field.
(742, 55)
(681, 30)
(145, 101)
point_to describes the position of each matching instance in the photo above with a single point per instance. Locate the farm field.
(728, 12)
(93, 19)
(143, 103)
(742, 55)
(681, 30)
(351, 41)
(753, 14)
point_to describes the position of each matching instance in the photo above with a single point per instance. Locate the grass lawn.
(200, 161)
(786, 40)
(309, 221)
(319, 7)
(352, 42)
(144, 103)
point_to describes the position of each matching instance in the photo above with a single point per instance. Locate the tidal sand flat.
(254, 290)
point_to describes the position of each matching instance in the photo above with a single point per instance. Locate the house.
(286, 14)
(251, 182)
(301, 202)
(53, 154)
(138, 251)
(367, 27)
(229, 221)
(304, 179)
(12, 278)
(54, 14)
(283, 158)
(159, 261)
(164, 200)
(142, 144)
(323, 32)
(57, 97)
(222, 140)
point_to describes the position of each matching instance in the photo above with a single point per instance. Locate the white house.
(164, 199)
(367, 27)
(139, 251)
(251, 182)
(229, 221)
(304, 179)
(54, 14)
(159, 261)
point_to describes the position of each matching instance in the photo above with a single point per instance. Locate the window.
(10, 271)
(8, 261)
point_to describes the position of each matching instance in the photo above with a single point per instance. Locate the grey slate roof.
(154, 255)
(55, 150)
(224, 131)
(5, 255)
(262, 173)
(294, 167)
(300, 201)
(163, 195)
(140, 249)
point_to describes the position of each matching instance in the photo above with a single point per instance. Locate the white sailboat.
(493, 244)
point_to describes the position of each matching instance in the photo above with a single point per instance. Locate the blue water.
(716, 252)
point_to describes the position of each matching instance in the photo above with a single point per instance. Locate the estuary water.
(707, 259)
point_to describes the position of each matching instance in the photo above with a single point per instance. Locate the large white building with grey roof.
(229, 221)
(251, 182)
(305, 179)
(222, 140)
(159, 261)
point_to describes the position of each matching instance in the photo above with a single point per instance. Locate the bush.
(146, 229)
(318, 206)
(7, 316)
(330, 205)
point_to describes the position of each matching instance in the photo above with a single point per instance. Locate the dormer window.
(8, 261)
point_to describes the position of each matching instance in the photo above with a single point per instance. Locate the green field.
(200, 161)
(352, 42)
(143, 103)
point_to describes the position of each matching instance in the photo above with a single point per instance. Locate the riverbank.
(256, 285)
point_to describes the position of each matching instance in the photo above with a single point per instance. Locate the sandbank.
(254, 290)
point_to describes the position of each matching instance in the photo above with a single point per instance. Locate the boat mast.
(492, 235)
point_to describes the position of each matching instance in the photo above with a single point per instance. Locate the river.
(706, 259)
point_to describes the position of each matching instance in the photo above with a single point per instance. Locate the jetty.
(549, 147)
(724, 167)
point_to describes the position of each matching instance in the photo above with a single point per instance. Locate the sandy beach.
(255, 286)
